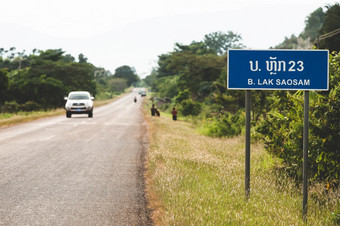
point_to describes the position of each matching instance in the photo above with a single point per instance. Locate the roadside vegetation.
(34, 85)
(194, 179)
(193, 79)
(40, 80)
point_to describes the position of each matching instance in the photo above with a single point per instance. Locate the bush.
(325, 135)
(225, 125)
(189, 107)
(30, 106)
(10, 106)
(13, 107)
(282, 134)
(282, 130)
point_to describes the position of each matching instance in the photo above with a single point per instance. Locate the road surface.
(76, 171)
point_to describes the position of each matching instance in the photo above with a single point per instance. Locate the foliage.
(182, 96)
(314, 24)
(228, 125)
(14, 107)
(190, 107)
(167, 86)
(30, 106)
(150, 79)
(74, 76)
(51, 55)
(186, 105)
(107, 85)
(196, 67)
(195, 48)
(332, 22)
(48, 79)
(82, 59)
(3, 84)
(220, 42)
(325, 136)
(282, 129)
(288, 43)
(127, 73)
(40, 80)
(10, 106)
(45, 91)
(194, 75)
(117, 85)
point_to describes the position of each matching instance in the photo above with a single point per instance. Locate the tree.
(310, 33)
(332, 23)
(75, 76)
(51, 54)
(283, 128)
(43, 90)
(167, 86)
(195, 70)
(68, 58)
(82, 58)
(50, 76)
(13, 61)
(314, 24)
(3, 84)
(40, 79)
(117, 85)
(197, 48)
(194, 67)
(127, 73)
(220, 42)
(288, 43)
(149, 80)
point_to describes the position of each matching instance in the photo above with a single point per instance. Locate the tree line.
(194, 77)
(41, 79)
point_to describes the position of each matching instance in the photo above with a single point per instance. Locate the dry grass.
(198, 180)
(7, 119)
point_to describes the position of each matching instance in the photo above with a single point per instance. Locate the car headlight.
(68, 106)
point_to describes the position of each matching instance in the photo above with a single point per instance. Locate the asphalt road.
(76, 171)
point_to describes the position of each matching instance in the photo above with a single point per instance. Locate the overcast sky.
(135, 32)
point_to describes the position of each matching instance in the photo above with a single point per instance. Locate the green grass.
(198, 180)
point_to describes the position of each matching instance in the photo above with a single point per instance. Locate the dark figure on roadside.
(174, 114)
(153, 110)
(157, 113)
(135, 100)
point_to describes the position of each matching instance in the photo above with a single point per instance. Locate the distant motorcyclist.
(135, 99)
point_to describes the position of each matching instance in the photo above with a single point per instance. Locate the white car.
(143, 93)
(79, 102)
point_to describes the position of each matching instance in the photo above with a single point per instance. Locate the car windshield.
(79, 96)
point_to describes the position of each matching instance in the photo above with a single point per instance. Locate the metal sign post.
(305, 154)
(247, 158)
(278, 70)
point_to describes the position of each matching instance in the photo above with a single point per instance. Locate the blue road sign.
(278, 69)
